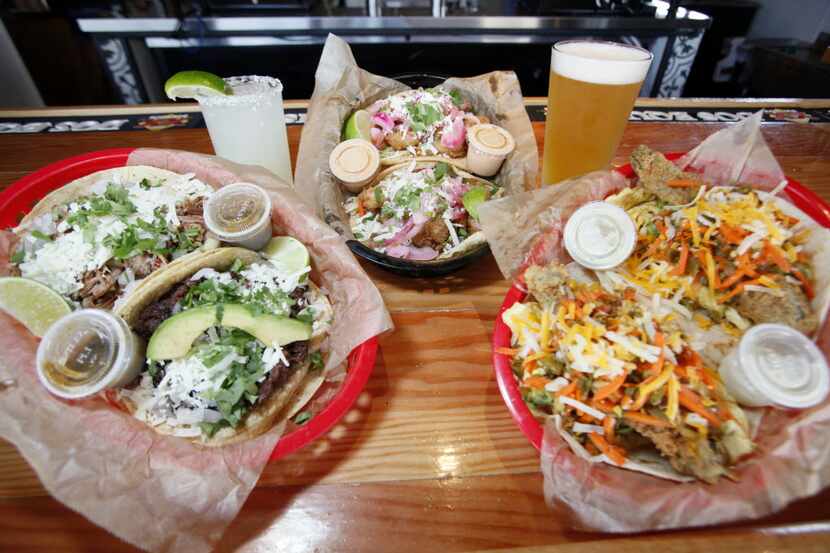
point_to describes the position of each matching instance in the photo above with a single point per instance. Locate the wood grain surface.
(429, 459)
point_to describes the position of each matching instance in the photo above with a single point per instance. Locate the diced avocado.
(473, 198)
(175, 336)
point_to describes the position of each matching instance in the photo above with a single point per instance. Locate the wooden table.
(429, 460)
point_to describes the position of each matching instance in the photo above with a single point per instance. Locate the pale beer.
(592, 89)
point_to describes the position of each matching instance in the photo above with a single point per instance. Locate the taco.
(234, 344)
(420, 211)
(621, 382)
(95, 238)
(422, 122)
(721, 258)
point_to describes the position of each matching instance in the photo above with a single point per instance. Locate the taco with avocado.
(94, 239)
(421, 211)
(235, 342)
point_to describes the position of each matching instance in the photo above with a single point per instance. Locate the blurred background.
(113, 52)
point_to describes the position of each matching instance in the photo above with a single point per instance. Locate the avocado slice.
(175, 336)
(473, 198)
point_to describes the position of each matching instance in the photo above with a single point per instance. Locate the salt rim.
(262, 89)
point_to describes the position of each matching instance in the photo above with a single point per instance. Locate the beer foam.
(600, 62)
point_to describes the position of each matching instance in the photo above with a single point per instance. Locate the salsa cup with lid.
(240, 214)
(86, 352)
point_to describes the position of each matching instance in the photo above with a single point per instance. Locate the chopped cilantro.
(147, 185)
(220, 313)
(440, 171)
(316, 360)
(41, 235)
(456, 97)
(378, 193)
(302, 418)
(423, 116)
(236, 266)
(18, 256)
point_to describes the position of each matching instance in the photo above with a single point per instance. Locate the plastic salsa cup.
(775, 365)
(354, 163)
(600, 235)
(88, 351)
(488, 146)
(240, 214)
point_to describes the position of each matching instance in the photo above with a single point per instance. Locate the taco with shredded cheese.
(235, 342)
(422, 122)
(723, 258)
(94, 239)
(420, 211)
(620, 380)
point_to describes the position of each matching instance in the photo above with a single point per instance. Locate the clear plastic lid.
(784, 365)
(85, 352)
(600, 235)
(237, 211)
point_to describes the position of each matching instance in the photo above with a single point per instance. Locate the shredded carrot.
(775, 255)
(692, 402)
(610, 388)
(732, 279)
(360, 209)
(536, 382)
(805, 283)
(630, 294)
(723, 410)
(512, 352)
(680, 268)
(608, 427)
(603, 406)
(616, 454)
(733, 235)
(567, 390)
(709, 378)
(735, 291)
(648, 420)
(682, 183)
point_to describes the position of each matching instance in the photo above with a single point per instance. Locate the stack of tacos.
(234, 343)
(625, 360)
(423, 207)
(94, 239)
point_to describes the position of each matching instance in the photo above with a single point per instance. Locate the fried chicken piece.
(688, 451)
(654, 171)
(792, 309)
(546, 284)
(368, 199)
(434, 234)
(400, 141)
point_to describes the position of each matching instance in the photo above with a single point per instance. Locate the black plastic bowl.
(417, 269)
(420, 80)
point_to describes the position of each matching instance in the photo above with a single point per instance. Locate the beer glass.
(592, 89)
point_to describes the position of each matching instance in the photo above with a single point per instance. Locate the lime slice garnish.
(190, 84)
(359, 125)
(34, 305)
(287, 253)
(474, 198)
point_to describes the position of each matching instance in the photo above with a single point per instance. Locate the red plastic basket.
(19, 198)
(806, 200)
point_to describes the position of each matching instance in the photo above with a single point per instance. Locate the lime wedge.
(34, 305)
(474, 198)
(359, 125)
(190, 84)
(287, 253)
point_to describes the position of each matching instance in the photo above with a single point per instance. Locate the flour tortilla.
(286, 402)
(473, 241)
